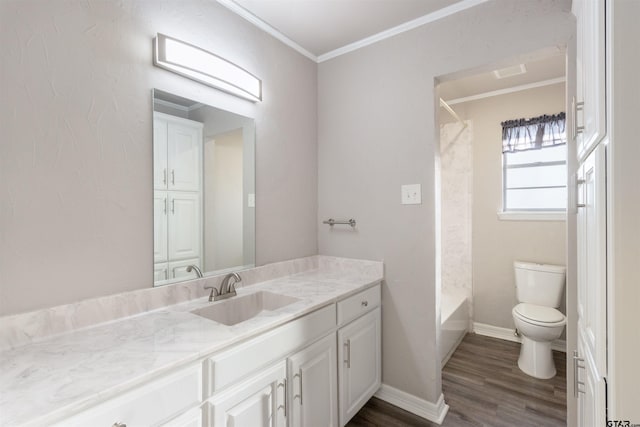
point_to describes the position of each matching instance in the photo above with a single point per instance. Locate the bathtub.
(454, 315)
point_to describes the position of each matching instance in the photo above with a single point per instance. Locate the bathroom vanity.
(300, 350)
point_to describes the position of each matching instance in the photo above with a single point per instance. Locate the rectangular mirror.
(204, 189)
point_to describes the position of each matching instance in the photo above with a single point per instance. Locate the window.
(535, 179)
(534, 164)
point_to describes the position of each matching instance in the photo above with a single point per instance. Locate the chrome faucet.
(197, 270)
(227, 290)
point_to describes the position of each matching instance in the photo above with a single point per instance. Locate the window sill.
(532, 216)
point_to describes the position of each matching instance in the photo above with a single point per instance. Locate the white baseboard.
(508, 334)
(431, 411)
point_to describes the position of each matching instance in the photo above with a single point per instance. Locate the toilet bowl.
(539, 289)
(538, 326)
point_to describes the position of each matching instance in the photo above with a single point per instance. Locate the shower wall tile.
(456, 174)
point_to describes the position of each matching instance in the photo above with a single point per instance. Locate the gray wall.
(75, 158)
(377, 131)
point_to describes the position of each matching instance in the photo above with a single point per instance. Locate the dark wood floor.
(484, 387)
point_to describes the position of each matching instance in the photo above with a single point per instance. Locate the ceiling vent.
(510, 71)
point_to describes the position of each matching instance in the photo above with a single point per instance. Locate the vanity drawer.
(232, 365)
(150, 404)
(358, 304)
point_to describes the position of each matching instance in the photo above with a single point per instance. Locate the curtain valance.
(534, 133)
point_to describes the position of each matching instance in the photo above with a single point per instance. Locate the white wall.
(75, 158)
(377, 130)
(497, 243)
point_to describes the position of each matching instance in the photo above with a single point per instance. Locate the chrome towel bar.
(332, 222)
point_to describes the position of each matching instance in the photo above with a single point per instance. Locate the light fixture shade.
(205, 67)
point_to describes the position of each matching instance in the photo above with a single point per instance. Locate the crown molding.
(410, 25)
(402, 28)
(245, 14)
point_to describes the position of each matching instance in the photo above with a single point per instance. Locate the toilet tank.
(539, 284)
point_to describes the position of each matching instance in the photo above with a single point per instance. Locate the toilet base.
(536, 359)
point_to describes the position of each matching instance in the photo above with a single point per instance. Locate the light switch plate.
(251, 200)
(411, 194)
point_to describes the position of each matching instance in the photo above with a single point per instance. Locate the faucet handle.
(214, 292)
(237, 279)
(232, 286)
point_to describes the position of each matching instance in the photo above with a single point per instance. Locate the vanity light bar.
(205, 67)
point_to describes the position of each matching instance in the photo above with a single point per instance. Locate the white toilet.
(539, 289)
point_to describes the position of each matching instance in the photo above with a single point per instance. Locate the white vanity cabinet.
(165, 401)
(359, 351)
(315, 371)
(260, 401)
(313, 388)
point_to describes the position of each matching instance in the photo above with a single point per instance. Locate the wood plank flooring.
(484, 387)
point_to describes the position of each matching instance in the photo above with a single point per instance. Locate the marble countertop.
(53, 378)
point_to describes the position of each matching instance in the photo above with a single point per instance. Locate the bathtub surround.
(377, 121)
(454, 322)
(76, 216)
(456, 198)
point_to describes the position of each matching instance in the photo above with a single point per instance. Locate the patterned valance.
(534, 133)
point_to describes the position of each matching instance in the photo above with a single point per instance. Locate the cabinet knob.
(119, 425)
(364, 303)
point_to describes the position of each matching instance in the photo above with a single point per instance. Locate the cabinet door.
(313, 385)
(257, 402)
(358, 363)
(185, 229)
(590, 105)
(591, 236)
(185, 156)
(160, 141)
(160, 212)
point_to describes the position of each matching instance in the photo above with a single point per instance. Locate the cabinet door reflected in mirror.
(203, 186)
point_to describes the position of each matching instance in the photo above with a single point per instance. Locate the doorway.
(496, 209)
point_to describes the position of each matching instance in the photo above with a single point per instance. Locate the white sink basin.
(245, 307)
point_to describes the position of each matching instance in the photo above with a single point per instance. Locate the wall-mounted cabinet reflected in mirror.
(203, 182)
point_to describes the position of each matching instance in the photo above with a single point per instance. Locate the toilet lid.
(539, 313)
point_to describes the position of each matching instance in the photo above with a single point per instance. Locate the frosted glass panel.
(546, 198)
(542, 176)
